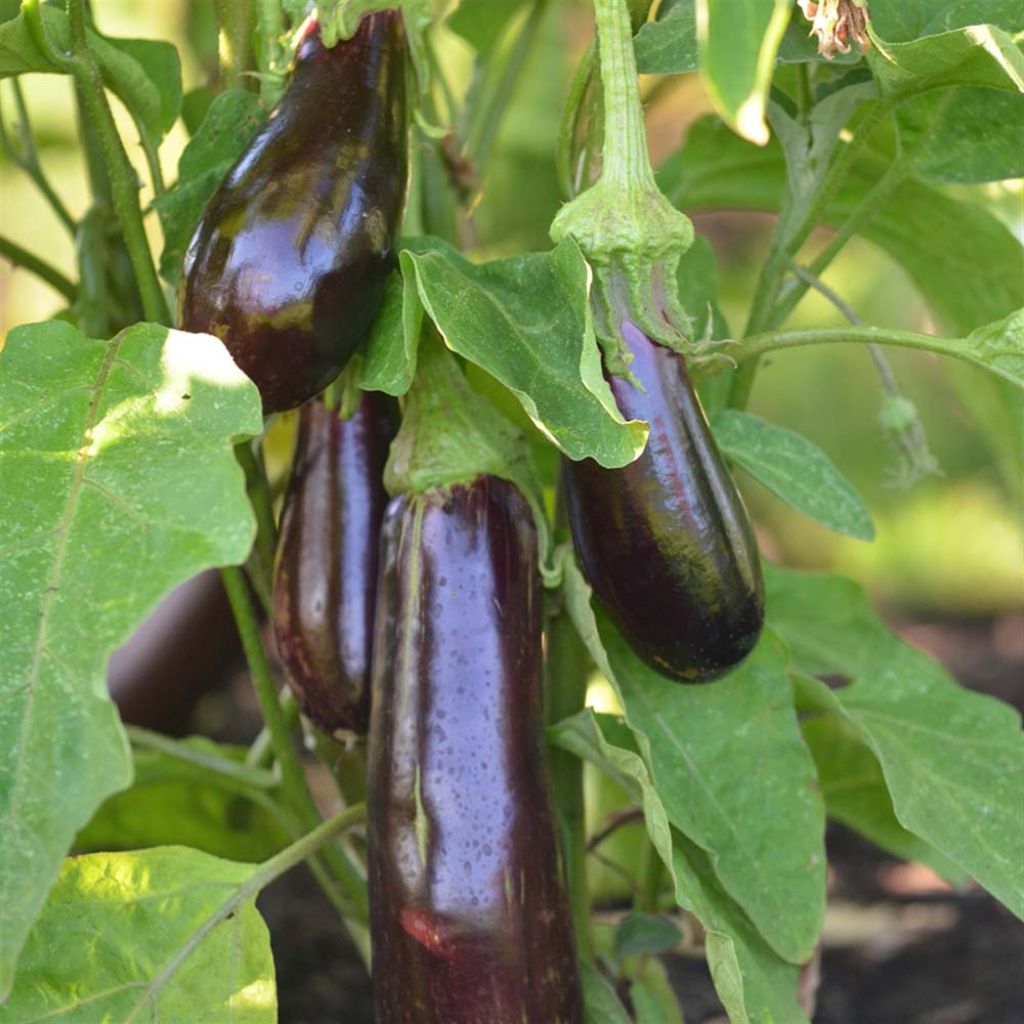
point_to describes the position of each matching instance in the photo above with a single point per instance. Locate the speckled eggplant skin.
(289, 261)
(666, 542)
(468, 909)
(325, 570)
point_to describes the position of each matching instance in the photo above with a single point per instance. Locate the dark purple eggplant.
(289, 261)
(468, 908)
(325, 570)
(666, 542)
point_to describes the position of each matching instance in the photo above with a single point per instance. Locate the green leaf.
(120, 939)
(738, 41)
(668, 46)
(852, 783)
(965, 262)
(795, 469)
(230, 123)
(734, 775)
(999, 347)
(174, 802)
(754, 984)
(951, 758)
(482, 22)
(390, 351)
(524, 321)
(645, 933)
(971, 55)
(651, 993)
(600, 1003)
(149, 89)
(160, 61)
(974, 135)
(119, 484)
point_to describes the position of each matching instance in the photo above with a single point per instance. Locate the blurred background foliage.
(951, 544)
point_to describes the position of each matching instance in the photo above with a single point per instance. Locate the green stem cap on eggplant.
(629, 232)
(325, 570)
(289, 261)
(666, 542)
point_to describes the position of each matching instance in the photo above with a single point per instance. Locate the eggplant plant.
(422, 348)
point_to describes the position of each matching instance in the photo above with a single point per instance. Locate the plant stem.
(262, 501)
(755, 347)
(648, 880)
(28, 159)
(124, 184)
(234, 17)
(261, 877)
(568, 180)
(790, 234)
(627, 162)
(269, 52)
(880, 192)
(483, 130)
(261, 752)
(256, 777)
(293, 779)
(566, 671)
(35, 265)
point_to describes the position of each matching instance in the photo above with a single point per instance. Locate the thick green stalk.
(234, 17)
(124, 185)
(293, 778)
(791, 232)
(33, 264)
(566, 670)
(627, 163)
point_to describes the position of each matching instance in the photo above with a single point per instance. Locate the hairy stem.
(293, 779)
(28, 159)
(35, 265)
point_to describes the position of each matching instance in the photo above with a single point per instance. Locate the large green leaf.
(966, 263)
(731, 771)
(795, 469)
(984, 55)
(119, 483)
(753, 982)
(230, 122)
(855, 793)
(735, 777)
(524, 321)
(144, 74)
(128, 937)
(953, 760)
(176, 802)
(737, 43)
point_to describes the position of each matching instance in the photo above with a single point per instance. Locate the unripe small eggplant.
(666, 542)
(289, 261)
(325, 570)
(468, 908)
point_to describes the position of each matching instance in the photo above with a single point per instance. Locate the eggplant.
(290, 258)
(666, 542)
(325, 568)
(468, 908)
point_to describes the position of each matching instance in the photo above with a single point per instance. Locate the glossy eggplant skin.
(289, 261)
(666, 542)
(325, 569)
(468, 909)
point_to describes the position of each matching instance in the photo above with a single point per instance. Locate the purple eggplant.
(468, 908)
(666, 542)
(325, 570)
(289, 261)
